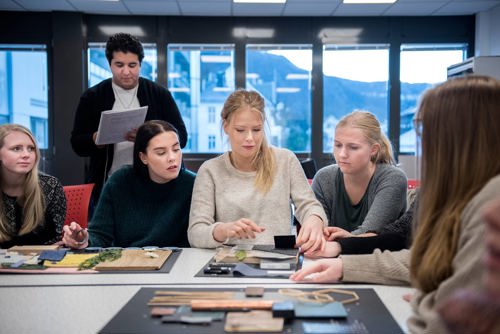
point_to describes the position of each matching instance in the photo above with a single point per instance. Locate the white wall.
(488, 33)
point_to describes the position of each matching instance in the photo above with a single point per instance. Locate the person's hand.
(321, 271)
(241, 229)
(75, 236)
(130, 136)
(94, 138)
(407, 297)
(334, 233)
(310, 237)
(470, 311)
(331, 249)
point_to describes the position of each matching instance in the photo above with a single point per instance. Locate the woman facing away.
(460, 124)
(33, 205)
(146, 204)
(364, 190)
(244, 195)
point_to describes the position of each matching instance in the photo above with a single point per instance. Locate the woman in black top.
(33, 205)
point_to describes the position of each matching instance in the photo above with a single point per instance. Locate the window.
(200, 78)
(24, 89)
(282, 75)
(98, 67)
(211, 114)
(421, 67)
(39, 128)
(354, 77)
(211, 142)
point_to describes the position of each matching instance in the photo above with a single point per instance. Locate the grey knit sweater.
(386, 196)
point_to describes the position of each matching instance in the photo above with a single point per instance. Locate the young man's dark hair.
(125, 43)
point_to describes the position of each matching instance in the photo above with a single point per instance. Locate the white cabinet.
(486, 65)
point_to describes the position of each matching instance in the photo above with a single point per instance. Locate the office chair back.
(309, 167)
(413, 183)
(77, 203)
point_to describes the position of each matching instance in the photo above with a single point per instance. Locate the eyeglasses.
(417, 124)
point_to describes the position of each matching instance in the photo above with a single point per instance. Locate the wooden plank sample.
(28, 249)
(137, 259)
(253, 321)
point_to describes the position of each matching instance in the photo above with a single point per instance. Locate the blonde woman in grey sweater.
(244, 195)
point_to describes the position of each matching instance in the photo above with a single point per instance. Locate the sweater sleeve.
(404, 224)
(85, 125)
(323, 186)
(202, 213)
(391, 241)
(55, 212)
(389, 268)
(394, 236)
(389, 200)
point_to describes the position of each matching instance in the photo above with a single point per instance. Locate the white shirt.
(123, 151)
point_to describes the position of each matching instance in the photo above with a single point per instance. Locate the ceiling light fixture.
(368, 1)
(259, 1)
(240, 32)
(133, 30)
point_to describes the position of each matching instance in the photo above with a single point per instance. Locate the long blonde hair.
(370, 127)
(460, 148)
(32, 201)
(264, 161)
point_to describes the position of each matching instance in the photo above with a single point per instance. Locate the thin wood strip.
(154, 303)
(230, 305)
(175, 298)
(212, 294)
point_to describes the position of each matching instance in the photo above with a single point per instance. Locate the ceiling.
(228, 8)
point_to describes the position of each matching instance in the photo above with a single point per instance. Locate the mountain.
(341, 96)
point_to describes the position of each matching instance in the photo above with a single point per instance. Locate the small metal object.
(254, 291)
(216, 271)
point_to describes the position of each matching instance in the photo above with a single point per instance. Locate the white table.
(84, 303)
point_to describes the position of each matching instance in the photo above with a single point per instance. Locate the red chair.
(77, 203)
(413, 183)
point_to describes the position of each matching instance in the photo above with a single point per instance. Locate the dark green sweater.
(134, 212)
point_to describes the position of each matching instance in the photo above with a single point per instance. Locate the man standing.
(125, 90)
